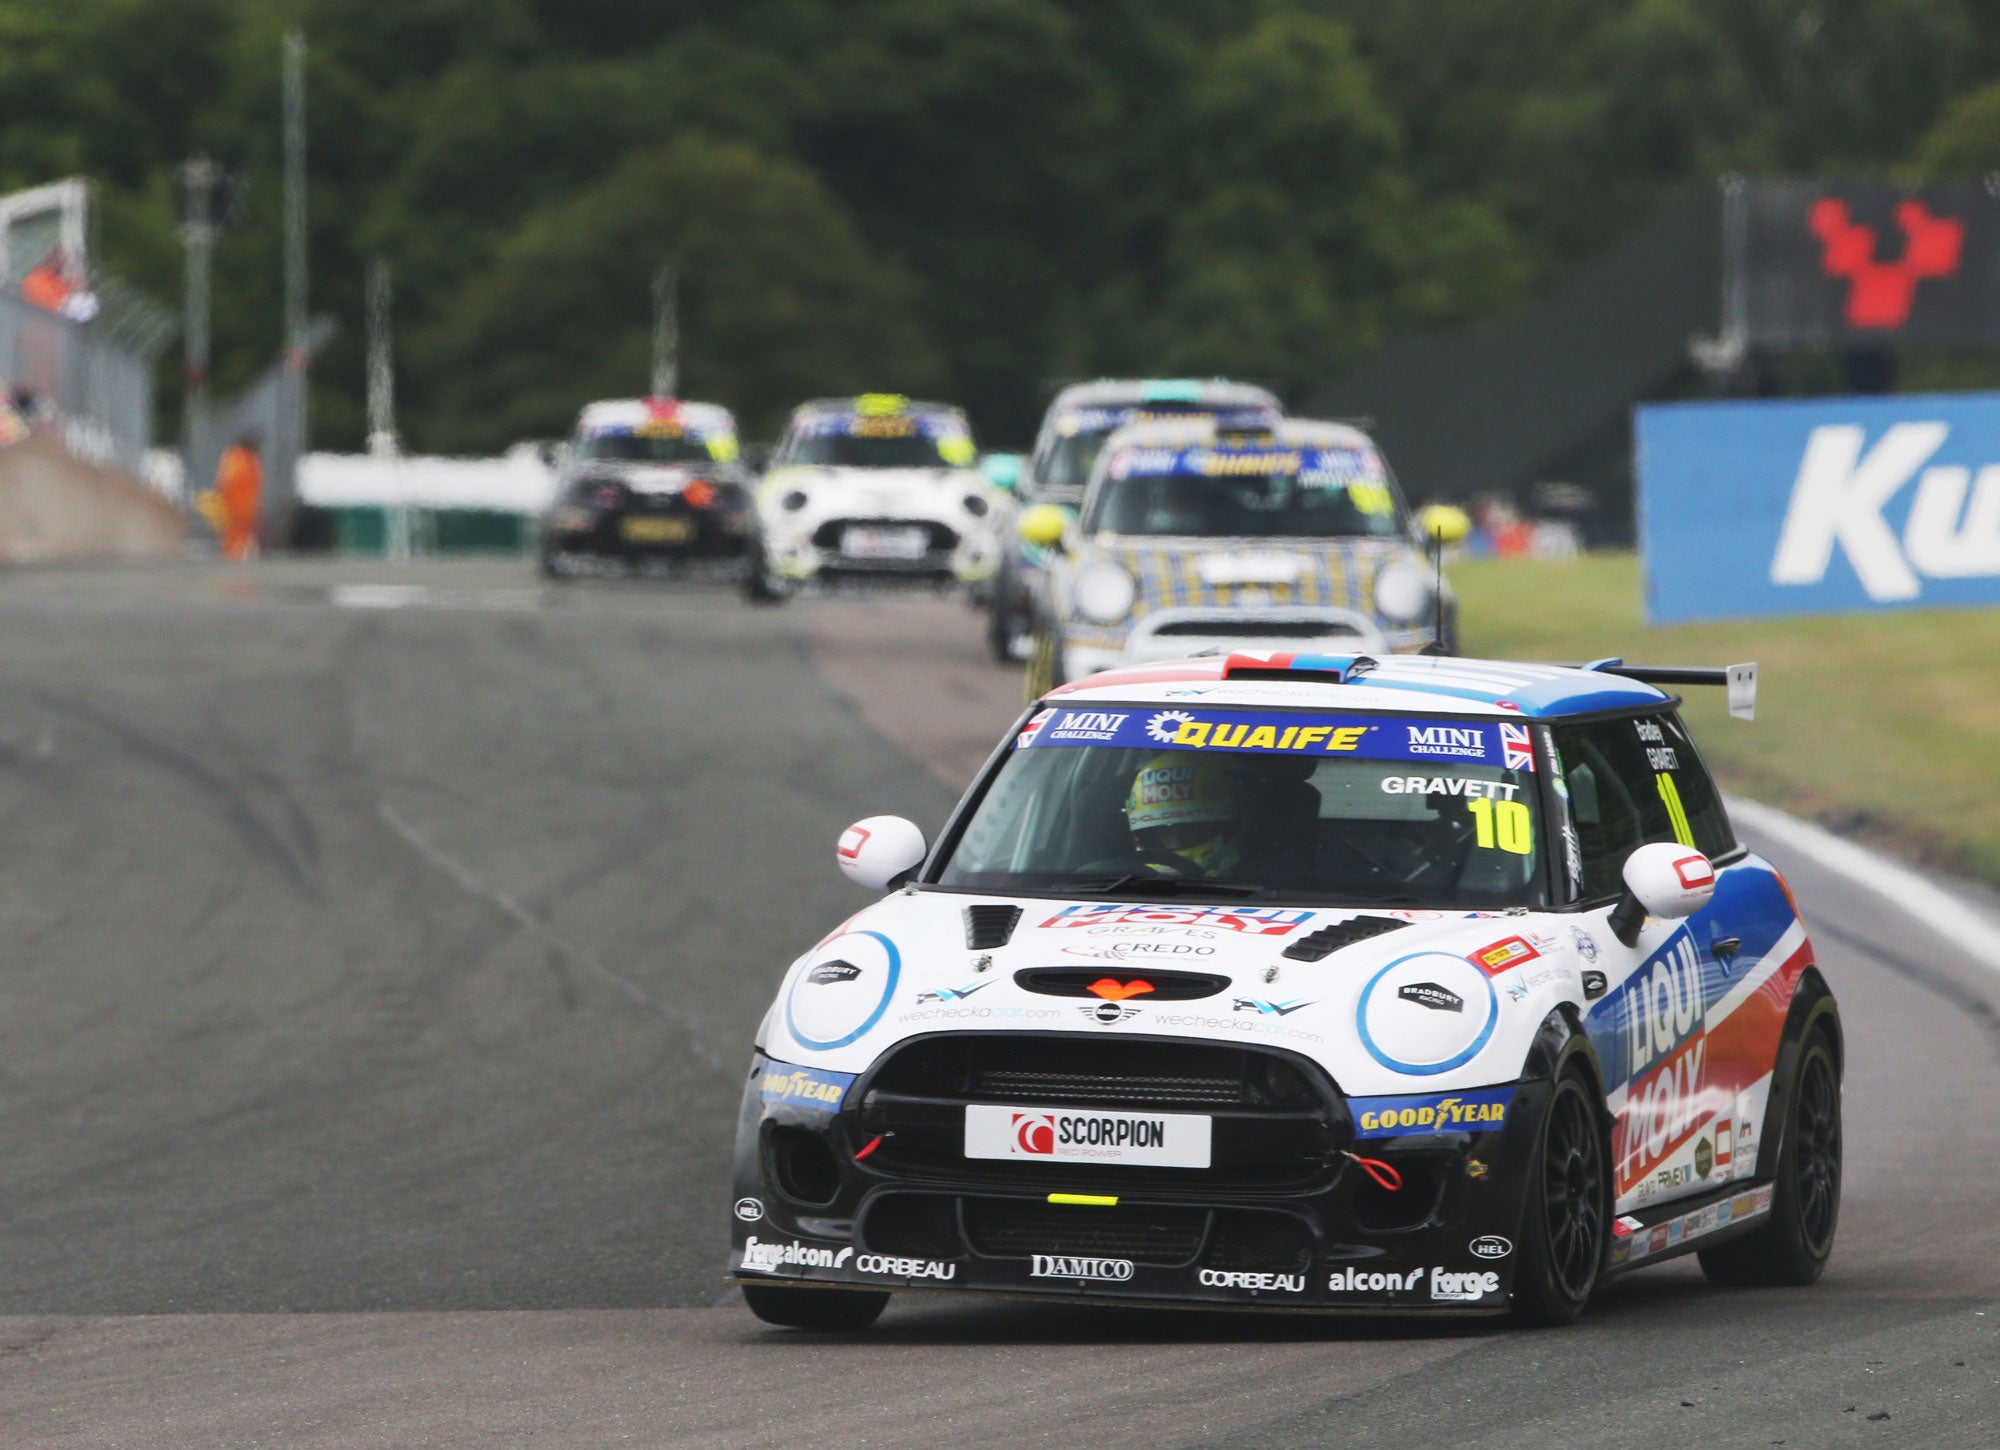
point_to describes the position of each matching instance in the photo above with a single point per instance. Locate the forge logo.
(1880, 293)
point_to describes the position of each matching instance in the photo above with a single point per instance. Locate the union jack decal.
(1517, 747)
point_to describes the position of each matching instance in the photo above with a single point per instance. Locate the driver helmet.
(1187, 806)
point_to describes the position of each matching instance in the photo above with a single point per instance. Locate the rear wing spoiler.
(1739, 680)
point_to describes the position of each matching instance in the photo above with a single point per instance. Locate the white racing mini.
(1303, 982)
(876, 490)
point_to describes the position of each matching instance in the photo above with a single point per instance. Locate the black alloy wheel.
(825, 1309)
(1562, 1236)
(1793, 1245)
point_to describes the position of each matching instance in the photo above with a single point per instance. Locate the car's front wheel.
(1562, 1233)
(760, 585)
(1793, 1245)
(831, 1309)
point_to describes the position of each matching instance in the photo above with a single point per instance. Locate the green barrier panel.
(364, 529)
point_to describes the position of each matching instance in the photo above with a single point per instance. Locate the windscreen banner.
(1815, 507)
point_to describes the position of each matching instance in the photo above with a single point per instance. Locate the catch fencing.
(94, 390)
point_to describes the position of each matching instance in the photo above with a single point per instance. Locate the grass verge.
(1882, 726)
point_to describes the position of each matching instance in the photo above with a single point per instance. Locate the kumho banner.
(1831, 505)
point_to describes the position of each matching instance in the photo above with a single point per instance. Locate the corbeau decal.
(904, 1268)
(1240, 1279)
(1476, 1112)
(809, 1087)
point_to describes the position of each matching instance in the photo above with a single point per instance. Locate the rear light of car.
(699, 493)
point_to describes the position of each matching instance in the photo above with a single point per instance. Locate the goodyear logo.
(1438, 1113)
(809, 1087)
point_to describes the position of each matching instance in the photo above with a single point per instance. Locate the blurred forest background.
(960, 198)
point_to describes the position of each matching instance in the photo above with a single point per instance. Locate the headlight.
(792, 502)
(1402, 592)
(1105, 592)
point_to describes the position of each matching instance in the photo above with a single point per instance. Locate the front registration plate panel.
(1084, 1135)
(657, 530)
(876, 543)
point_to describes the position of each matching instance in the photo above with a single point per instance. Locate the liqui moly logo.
(1841, 493)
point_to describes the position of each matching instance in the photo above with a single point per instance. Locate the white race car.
(1303, 982)
(874, 490)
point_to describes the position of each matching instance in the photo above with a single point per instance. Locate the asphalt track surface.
(379, 953)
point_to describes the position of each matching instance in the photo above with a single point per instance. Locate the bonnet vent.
(987, 927)
(1318, 945)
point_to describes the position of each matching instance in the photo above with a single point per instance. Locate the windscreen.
(894, 440)
(650, 448)
(1299, 806)
(1080, 434)
(1244, 493)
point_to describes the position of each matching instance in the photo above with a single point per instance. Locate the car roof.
(611, 415)
(1195, 392)
(1194, 430)
(889, 404)
(1358, 684)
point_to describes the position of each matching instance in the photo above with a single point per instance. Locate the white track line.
(1930, 905)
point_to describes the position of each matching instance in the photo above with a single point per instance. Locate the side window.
(1633, 781)
(1700, 802)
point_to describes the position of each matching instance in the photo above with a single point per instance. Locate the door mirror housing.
(1045, 525)
(1662, 879)
(880, 852)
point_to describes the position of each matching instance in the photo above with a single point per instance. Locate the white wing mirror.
(1665, 880)
(880, 851)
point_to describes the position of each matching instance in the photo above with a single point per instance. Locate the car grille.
(946, 1226)
(1251, 626)
(1099, 1071)
(939, 538)
(1277, 1122)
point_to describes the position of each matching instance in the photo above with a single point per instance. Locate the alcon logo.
(1880, 294)
(1841, 492)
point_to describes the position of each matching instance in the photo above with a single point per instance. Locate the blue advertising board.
(1829, 505)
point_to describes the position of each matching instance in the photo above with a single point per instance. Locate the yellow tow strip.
(1084, 1200)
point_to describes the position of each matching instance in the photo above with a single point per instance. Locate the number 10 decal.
(1505, 824)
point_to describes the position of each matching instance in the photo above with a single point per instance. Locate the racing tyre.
(1562, 1233)
(1004, 625)
(1793, 1246)
(759, 586)
(815, 1308)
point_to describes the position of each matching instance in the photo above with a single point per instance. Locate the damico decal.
(1437, 1113)
(1243, 920)
(770, 1258)
(1055, 1135)
(1064, 1266)
(809, 1087)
